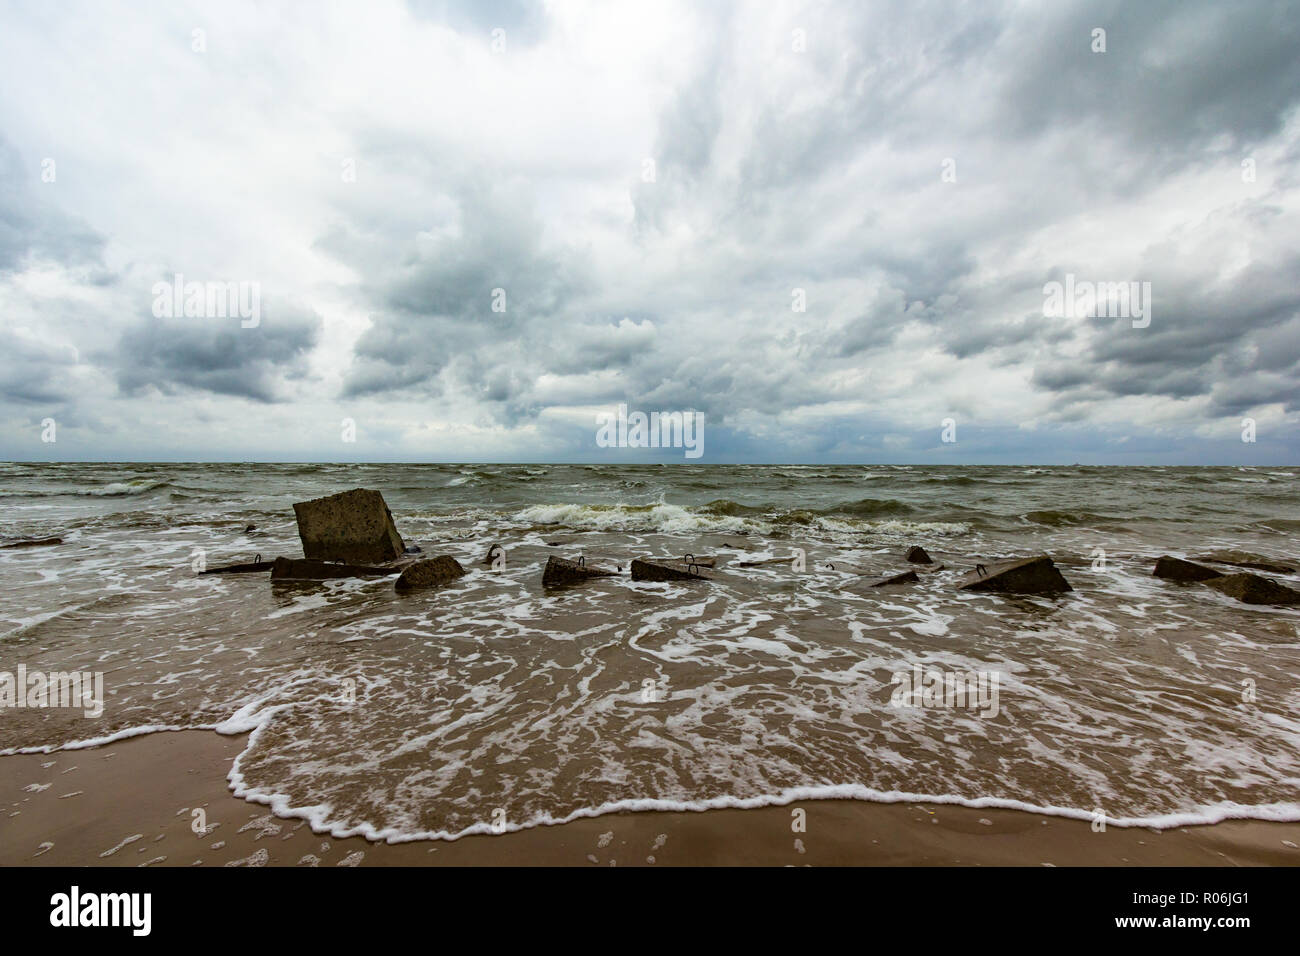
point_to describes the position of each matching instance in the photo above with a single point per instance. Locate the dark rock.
(251, 527)
(31, 543)
(560, 572)
(1253, 589)
(414, 549)
(430, 573)
(847, 568)
(916, 554)
(351, 526)
(1176, 569)
(1036, 575)
(492, 553)
(1248, 559)
(907, 577)
(664, 571)
(309, 569)
(246, 568)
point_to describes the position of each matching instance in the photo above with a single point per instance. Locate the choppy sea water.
(493, 702)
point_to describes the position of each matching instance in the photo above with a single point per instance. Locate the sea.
(493, 704)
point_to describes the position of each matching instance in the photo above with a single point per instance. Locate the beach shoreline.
(132, 803)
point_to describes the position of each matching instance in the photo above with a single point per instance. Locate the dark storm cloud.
(1041, 128)
(1174, 74)
(175, 355)
(775, 170)
(35, 372)
(32, 226)
(1235, 340)
(436, 295)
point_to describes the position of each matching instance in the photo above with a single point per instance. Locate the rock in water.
(249, 567)
(917, 555)
(1248, 559)
(1253, 589)
(351, 526)
(308, 569)
(907, 577)
(429, 573)
(32, 543)
(1176, 569)
(1021, 576)
(659, 571)
(560, 572)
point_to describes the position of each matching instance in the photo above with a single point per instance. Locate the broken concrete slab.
(917, 555)
(906, 577)
(309, 569)
(353, 525)
(559, 572)
(429, 573)
(31, 543)
(666, 571)
(1037, 575)
(249, 567)
(1254, 589)
(1248, 559)
(1176, 569)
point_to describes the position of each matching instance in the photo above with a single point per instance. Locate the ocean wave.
(870, 507)
(724, 515)
(136, 486)
(725, 507)
(1065, 519)
(114, 489)
(656, 517)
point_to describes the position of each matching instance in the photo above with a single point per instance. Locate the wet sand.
(76, 808)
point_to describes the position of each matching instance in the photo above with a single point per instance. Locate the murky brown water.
(493, 702)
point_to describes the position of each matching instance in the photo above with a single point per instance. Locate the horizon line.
(647, 464)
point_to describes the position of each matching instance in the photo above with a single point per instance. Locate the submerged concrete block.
(1176, 569)
(248, 567)
(1253, 589)
(350, 526)
(308, 569)
(907, 577)
(560, 571)
(31, 543)
(1037, 575)
(666, 571)
(429, 573)
(1248, 559)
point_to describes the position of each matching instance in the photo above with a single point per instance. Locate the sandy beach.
(131, 804)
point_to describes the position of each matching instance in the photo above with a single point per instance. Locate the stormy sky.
(471, 227)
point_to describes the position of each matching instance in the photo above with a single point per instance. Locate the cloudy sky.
(653, 188)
